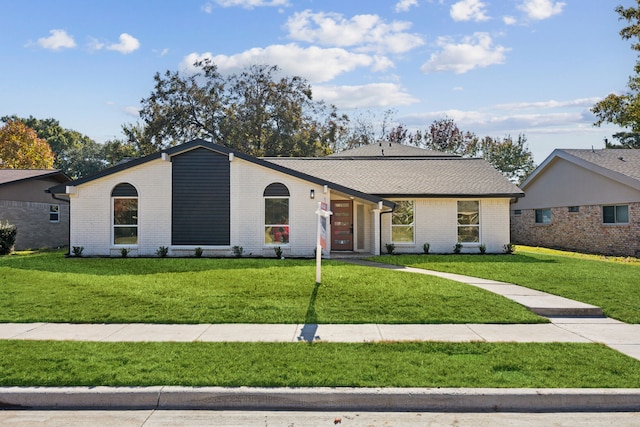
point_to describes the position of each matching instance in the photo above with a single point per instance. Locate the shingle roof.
(624, 161)
(8, 176)
(388, 177)
(622, 165)
(390, 149)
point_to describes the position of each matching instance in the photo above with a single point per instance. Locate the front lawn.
(425, 364)
(47, 287)
(612, 284)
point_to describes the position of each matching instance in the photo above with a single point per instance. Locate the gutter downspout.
(380, 227)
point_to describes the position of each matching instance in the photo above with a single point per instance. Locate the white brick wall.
(248, 182)
(91, 210)
(436, 224)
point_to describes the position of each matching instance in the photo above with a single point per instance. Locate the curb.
(321, 399)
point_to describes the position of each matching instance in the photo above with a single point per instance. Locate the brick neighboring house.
(41, 220)
(582, 200)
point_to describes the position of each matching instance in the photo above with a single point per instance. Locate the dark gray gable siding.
(201, 198)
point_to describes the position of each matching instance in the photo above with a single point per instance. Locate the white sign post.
(321, 239)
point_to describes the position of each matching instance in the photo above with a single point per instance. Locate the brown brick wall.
(32, 221)
(581, 231)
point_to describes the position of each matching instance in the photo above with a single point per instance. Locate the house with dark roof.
(202, 195)
(41, 220)
(582, 200)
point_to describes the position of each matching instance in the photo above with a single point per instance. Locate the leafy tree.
(624, 110)
(444, 135)
(255, 112)
(21, 148)
(510, 157)
(75, 154)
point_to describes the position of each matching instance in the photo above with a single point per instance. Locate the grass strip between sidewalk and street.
(404, 364)
(610, 283)
(47, 287)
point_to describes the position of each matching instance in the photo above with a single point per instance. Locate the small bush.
(77, 251)
(390, 248)
(237, 251)
(124, 252)
(198, 252)
(7, 238)
(482, 248)
(457, 248)
(278, 251)
(426, 247)
(162, 251)
(509, 248)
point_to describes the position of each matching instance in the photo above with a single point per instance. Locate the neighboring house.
(199, 194)
(41, 220)
(582, 200)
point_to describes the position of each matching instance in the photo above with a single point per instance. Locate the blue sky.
(496, 67)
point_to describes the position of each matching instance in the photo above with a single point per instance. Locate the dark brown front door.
(342, 225)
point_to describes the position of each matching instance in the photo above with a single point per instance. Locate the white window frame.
(458, 225)
(114, 225)
(412, 224)
(55, 212)
(287, 225)
(615, 214)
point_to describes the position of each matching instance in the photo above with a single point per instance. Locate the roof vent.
(621, 158)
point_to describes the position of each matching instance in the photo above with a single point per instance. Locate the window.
(125, 214)
(615, 214)
(54, 213)
(468, 221)
(517, 212)
(574, 209)
(402, 222)
(276, 214)
(543, 216)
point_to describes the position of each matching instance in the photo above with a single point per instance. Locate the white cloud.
(366, 33)
(541, 9)
(509, 20)
(581, 102)
(132, 111)
(365, 96)
(405, 5)
(127, 44)
(250, 4)
(207, 7)
(468, 10)
(314, 63)
(474, 51)
(58, 39)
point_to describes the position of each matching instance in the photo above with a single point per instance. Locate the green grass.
(46, 363)
(612, 284)
(47, 287)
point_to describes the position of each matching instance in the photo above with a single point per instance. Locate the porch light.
(312, 194)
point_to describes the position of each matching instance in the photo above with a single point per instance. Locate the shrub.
(390, 248)
(483, 248)
(278, 251)
(457, 248)
(426, 247)
(237, 251)
(162, 251)
(124, 252)
(77, 251)
(7, 238)
(198, 252)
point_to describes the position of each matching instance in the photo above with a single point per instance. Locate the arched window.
(124, 200)
(276, 214)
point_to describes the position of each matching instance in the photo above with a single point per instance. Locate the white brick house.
(202, 195)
